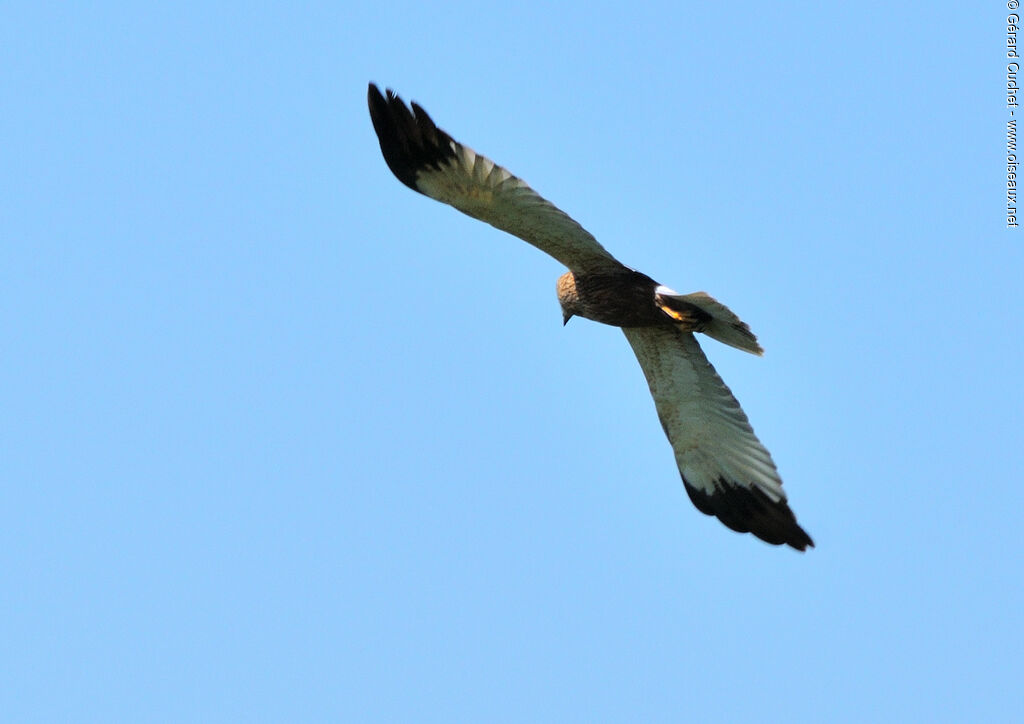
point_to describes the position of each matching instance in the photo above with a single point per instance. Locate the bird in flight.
(726, 470)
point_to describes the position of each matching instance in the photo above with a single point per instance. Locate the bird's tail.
(724, 326)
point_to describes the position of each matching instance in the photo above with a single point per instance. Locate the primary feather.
(428, 160)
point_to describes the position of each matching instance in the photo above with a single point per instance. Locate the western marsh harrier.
(726, 471)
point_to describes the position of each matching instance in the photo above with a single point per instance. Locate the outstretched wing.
(426, 159)
(726, 470)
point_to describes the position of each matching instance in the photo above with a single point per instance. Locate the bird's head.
(568, 297)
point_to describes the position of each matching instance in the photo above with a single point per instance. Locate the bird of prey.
(726, 470)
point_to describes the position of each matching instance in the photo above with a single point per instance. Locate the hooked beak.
(566, 316)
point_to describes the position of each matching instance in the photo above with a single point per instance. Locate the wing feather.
(428, 160)
(726, 470)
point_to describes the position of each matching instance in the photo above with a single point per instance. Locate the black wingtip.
(409, 140)
(749, 510)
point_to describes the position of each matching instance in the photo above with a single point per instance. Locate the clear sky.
(281, 440)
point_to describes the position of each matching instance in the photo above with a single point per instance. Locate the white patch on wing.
(709, 432)
(477, 186)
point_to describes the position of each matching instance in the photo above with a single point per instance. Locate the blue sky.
(281, 440)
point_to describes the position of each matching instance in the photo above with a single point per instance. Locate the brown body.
(625, 299)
